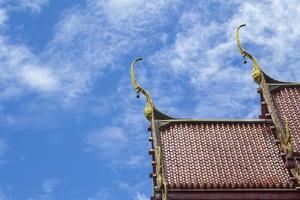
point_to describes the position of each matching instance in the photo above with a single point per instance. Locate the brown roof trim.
(228, 186)
(219, 120)
(273, 87)
(230, 195)
(162, 124)
(159, 115)
(269, 79)
(234, 190)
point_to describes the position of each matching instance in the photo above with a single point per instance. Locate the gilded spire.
(257, 72)
(148, 111)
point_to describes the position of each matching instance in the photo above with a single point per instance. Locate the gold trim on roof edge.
(287, 143)
(161, 181)
(296, 171)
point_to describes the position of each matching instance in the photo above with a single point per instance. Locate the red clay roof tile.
(287, 102)
(222, 155)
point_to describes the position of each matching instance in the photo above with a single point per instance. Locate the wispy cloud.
(136, 160)
(3, 16)
(34, 5)
(101, 35)
(140, 196)
(21, 67)
(48, 190)
(101, 195)
(204, 51)
(108, 31)
(3, 147)
(134, 190)
(274, 35)
(39, 78)
(192, 66)
(50, 184)
(3, 195)
(107, 140)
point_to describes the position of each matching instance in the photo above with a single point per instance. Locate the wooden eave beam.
(232, 195)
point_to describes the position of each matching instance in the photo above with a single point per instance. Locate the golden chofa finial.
(148, 111)
(257, 72)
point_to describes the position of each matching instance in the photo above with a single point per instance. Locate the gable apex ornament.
(257, 71)
(148, 111)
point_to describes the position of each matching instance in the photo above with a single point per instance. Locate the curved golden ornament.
(148, 111)
(257, 72)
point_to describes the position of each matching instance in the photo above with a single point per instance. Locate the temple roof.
(224, 154)
(193, 157)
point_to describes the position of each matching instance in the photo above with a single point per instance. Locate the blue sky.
(71, 127)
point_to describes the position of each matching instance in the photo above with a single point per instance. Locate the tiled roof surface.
(287, 102)
(222, 155)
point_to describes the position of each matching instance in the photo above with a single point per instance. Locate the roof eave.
(245, 194)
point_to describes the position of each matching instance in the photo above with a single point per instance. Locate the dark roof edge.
(273, 87)
(228, 195)
(161, 124)
(269, 79)
(159, 115)
(284, 84)
(217, 120)
(234, 190)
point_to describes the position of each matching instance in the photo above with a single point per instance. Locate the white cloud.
(87, 41)
(48, 190)
(136, 160)
(41, 197)
(3, 147)
(140, 196)
(33, 5)
(92, 40)
(49, 185)
(274, 34)
(134, 189)
(135, 14)
(98, 37)
(204, 50)
(3, 195)
(101, 195)
(3, 16)
(123, 4)
(21, 72)
(39, 78)
(107, 140)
